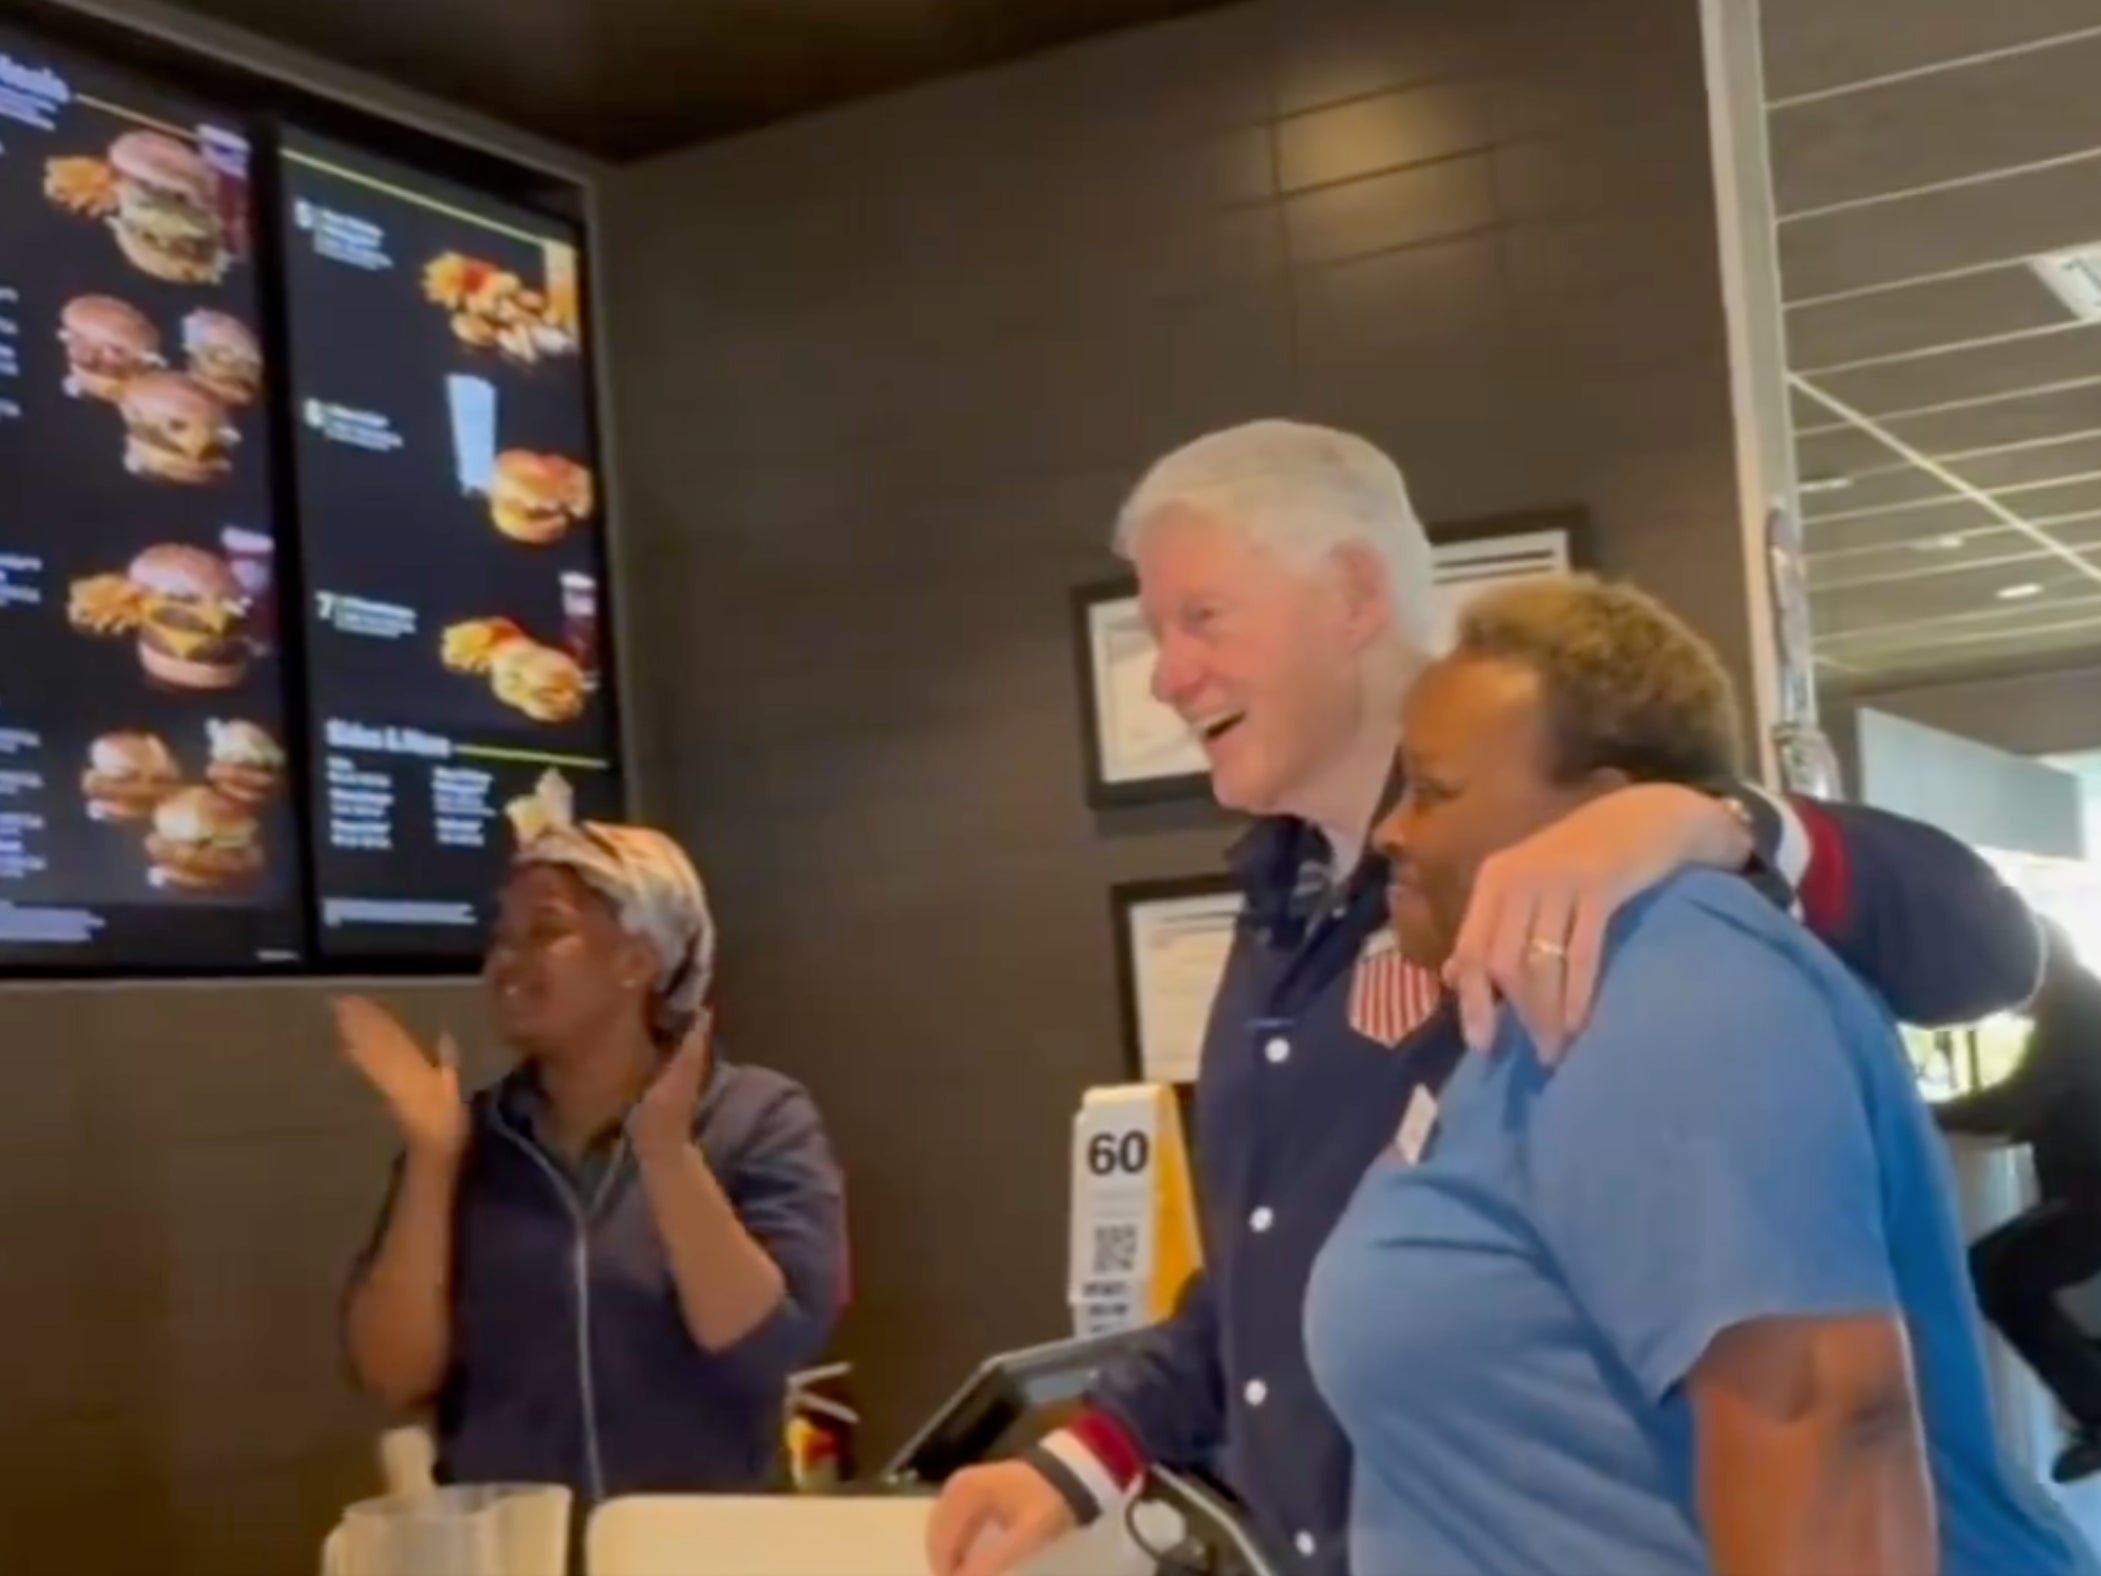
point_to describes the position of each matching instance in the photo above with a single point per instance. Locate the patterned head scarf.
(657, 895)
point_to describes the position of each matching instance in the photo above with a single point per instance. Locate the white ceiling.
(1946, 404)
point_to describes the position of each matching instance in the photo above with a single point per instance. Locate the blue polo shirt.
(1506, 1314)
(1294, 1101)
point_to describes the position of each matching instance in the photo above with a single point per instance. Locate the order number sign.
(1115, 1145)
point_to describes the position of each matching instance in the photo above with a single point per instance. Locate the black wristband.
(1062, 1478)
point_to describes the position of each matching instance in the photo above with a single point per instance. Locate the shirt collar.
(521, 1100)
(1282, 864)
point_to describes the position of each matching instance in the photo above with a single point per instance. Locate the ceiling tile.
(1886, 526)
(1874, 490)
(1917, 317)
(2055, 500)
(2075, 456)
(1814, 45)
(1995, 115)
(2048, 413)
(1839, 450)
(1999, 367)
(1928, 558)
(2022, 650)
(1961, 227)
(1882, 609)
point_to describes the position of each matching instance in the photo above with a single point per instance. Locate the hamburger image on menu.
(187, 609)
(202, 838)
(543, 682)
(128, 775)
(190, 618)
(223, 356)
(247, 765)
(161, 199)
(538, 498)
(202, 841)
(176, 430)
(108, 343)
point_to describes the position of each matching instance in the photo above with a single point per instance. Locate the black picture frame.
(1527, 532)
(1126, 900)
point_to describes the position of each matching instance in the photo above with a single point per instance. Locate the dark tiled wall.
(881, 379)
(188, 1170)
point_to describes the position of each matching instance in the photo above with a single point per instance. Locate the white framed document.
(1172, 939)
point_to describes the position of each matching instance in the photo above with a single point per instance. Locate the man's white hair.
(1302, 492)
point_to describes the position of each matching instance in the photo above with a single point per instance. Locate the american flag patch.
(1389, 996)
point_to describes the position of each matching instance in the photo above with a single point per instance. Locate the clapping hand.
(423, 1094)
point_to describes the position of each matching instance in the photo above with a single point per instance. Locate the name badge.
(1418, 1122)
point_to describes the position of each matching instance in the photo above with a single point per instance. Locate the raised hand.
(422, 1094)
(663, 1117)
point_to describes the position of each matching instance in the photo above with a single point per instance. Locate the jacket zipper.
(580, 1215)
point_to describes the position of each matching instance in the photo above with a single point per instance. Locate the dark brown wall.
(187, 1170)
(882, 377)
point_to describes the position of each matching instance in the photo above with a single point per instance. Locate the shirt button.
(1278, 1051)
(1256, 1392)
(1304, 1544)
(1262, 1219)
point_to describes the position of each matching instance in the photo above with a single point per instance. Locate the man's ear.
(1366, 598)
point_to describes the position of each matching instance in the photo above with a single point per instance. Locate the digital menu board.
(144, 814)
(457, 689)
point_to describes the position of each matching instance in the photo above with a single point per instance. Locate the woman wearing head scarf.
(600, 1270)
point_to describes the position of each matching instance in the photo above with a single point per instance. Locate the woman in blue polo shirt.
(602, 1269)
(1695, 1299)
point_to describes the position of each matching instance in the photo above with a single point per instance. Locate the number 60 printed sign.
(1134, 1236)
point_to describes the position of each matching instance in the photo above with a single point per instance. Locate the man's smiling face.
(1260, 656)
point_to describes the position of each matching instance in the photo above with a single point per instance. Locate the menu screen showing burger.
(143, 809)
(457, 685)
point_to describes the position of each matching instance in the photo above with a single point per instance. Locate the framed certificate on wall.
(1138, 751)
(1172, 941)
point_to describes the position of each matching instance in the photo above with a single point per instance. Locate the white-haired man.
(1288, 583)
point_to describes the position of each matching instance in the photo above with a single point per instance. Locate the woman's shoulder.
(1704, 970)
(751, 1104)
(1712, 927)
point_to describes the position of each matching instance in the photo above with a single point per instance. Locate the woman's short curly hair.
(1626, 683)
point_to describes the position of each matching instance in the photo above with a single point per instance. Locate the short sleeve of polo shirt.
(1703, 1157)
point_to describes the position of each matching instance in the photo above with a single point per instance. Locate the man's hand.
(1535, 929)
(663, 1118)
(989, 1519)
(422, 1094)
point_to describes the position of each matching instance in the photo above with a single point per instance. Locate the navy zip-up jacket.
(571, 1361)
(1293, 1104)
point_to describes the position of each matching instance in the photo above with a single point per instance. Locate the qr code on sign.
(1115, 1249)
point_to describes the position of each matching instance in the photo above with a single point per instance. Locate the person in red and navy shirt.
(1289, 585)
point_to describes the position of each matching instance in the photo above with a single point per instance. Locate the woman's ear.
(638, 964)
